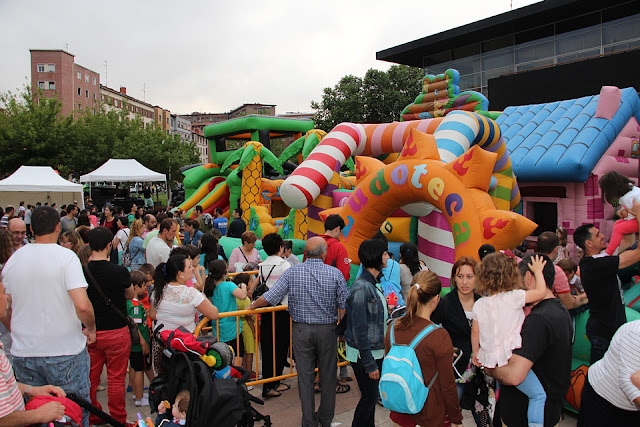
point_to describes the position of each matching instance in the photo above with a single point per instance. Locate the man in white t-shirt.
(49, 305)
(159, 247)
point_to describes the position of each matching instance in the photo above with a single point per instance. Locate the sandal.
(343, 388)
(283, 387)
(271, 393)
(316, 388)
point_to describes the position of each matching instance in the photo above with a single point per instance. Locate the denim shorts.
(71, 373)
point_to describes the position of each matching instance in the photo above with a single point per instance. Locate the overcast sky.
(213, 56)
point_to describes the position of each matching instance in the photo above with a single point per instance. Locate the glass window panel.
(497, 43)
(621, 32)
(466, 51)
(533, 52)
(589, 53)
(497, 60)
(578, 40)
(469, 65)
(566, 58)
(470, 80)
(497, 72)
(437, 68)
(535, 64)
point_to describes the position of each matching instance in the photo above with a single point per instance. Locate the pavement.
(285, 409)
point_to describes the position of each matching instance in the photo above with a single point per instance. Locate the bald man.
(316, 291)
(18, 229)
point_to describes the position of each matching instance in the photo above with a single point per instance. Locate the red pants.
(620, 228)
(113, 348)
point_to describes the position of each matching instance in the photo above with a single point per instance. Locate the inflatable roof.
(563, 141)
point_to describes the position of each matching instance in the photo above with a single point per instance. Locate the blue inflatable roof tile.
(561, 124)
(562, 140)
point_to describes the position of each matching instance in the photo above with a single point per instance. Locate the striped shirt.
(610, 377)
(10, 396)
(315, 291)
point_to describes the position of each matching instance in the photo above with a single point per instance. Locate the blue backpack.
(402, 387)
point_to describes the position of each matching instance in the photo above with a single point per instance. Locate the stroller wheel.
(225, 354)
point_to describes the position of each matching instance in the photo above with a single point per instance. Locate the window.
(52, 85)
(41, 68)
(94, 81)
(94, 96)
(41, 85)
(51, 68)
(79, 91)
(86, 93)
(79, 75)
(79, 106)
(86, 78)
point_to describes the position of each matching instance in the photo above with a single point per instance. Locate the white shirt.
(44, 321)
(627, 200)
(123, 235)
(610, 376)
(178, 307)
(157, 251)
(279, 266)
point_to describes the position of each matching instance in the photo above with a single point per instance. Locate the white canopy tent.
(33, 184)
(124, 170)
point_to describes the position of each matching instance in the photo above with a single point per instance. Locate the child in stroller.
(223, 402)
(178, 410)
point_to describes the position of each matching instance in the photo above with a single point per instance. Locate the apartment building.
(118, 100)
(57, 75)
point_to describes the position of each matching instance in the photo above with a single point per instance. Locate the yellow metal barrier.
(202, 326)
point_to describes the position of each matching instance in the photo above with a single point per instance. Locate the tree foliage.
(379, 97)
(37, 134)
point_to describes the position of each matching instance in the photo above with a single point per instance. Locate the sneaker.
(253, 376)
(144, 396)
(142, 402)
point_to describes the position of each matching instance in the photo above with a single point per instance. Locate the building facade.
(56, 74)
(544, 35)
(114, 100)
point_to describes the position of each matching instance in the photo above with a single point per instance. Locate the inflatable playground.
(449, 176)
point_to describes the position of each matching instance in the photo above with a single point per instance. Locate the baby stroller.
(223, 402)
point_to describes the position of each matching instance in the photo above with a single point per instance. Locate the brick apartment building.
(56, 73)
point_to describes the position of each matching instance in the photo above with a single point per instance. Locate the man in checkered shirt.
(316, 292)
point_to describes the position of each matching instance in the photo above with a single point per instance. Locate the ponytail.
(426, 285)
(217, 271)
(167, 272)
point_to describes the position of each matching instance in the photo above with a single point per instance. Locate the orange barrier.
(202, 326)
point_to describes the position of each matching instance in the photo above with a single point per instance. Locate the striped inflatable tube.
(302, 187)
(439, 256)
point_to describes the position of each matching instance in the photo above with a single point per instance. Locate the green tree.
(36, 133)
(32, 133)
(379, 97)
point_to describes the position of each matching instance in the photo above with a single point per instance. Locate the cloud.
(214, 56)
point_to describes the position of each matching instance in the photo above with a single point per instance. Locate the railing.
(202, 326)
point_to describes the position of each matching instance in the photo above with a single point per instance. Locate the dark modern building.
(547, 51)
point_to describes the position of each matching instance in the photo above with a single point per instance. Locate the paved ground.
(285, 410)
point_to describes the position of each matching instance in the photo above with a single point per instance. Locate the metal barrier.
(202, 327)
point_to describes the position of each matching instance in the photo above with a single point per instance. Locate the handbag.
(262, 285)
(133, 328)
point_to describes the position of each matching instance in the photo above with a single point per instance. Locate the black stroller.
(214, 401)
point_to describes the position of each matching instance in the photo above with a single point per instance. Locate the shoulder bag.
(133, 328)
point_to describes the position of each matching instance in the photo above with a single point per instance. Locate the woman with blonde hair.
(71, 239)
(433, 352)
(134, 244)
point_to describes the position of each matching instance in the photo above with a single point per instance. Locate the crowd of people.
(507, 322)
